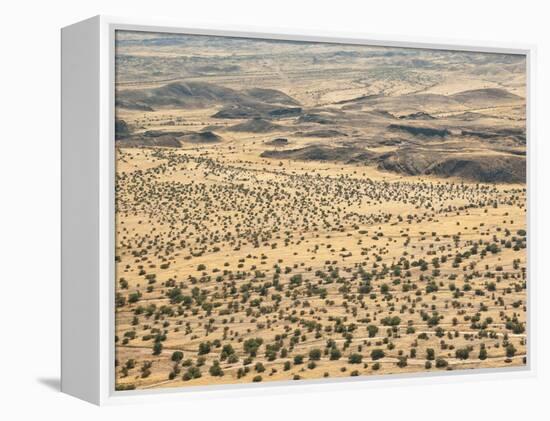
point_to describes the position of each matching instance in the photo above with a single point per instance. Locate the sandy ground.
(329, 269)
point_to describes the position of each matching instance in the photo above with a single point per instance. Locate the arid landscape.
(291, 211)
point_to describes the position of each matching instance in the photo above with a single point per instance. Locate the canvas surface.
(292, 210)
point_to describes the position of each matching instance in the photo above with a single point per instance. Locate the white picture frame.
(88, 213)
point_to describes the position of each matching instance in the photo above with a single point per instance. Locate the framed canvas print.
(245, 210)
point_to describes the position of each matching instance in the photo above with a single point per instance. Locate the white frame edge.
(80, 121)
(99, 385)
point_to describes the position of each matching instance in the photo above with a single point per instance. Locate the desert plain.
(292, 211)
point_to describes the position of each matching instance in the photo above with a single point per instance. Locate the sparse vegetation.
(263, 236)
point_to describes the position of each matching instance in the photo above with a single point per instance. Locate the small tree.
(482, 353)
(462, 353)
(251, 346)
(215, 369)
(441, 363)
(510, 350)
(355, 359)
(376, 354)
(204, 348)
(157, 348)
(372, 330)
(259, 367)
(227, 351)
(430, 354)
(315, 354)
(335, 354)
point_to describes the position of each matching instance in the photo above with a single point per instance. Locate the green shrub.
(430, 354)
(259, 367)
(204, 348)
(215, 369)
(157, 348)
(391, 321)
(462, 353)
(227, 351)
(335, 354)
(376, 354)
(510, 350)
(372, 330)
(355, 359)
(441, 363)
(315, 354)
(482, 353)
(252, 345)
